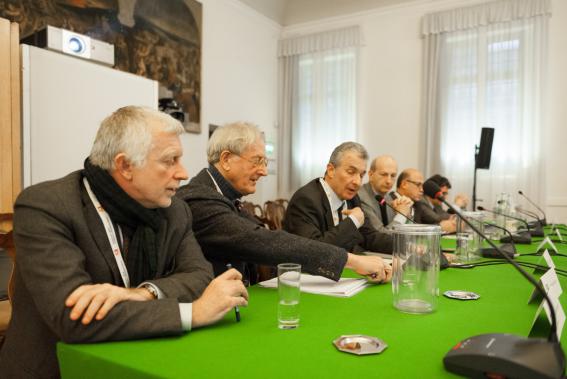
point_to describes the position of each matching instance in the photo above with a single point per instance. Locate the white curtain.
(485, 67)
(317, 103)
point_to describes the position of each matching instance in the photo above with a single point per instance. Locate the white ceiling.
(290, 12)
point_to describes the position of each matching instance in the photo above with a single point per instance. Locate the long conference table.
(256, 348)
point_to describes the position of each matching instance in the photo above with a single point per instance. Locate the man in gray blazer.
(381, 178)
(237, 160)
(107, 253)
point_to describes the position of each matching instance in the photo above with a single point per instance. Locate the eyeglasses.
(255, 161)
(417, 184)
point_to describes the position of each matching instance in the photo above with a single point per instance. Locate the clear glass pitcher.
(469, 242)
(415, 281)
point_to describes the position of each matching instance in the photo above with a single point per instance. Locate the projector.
(68, 42)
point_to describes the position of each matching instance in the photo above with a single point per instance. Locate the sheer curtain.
(485, 68)
(317, 103)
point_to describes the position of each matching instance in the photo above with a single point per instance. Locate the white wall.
(239, 78)
(390, 85)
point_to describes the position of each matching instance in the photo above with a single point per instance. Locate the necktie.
(384, 213)
(340, 212)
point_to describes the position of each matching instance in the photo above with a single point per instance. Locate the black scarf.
(141, 260)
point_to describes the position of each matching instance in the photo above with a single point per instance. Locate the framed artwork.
(160, 40)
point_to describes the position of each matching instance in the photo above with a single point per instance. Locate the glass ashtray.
(359, 344)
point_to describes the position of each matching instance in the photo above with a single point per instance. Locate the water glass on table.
(288, 295)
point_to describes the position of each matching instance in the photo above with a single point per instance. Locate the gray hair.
(345, 147)
(235, 137)
(129, 130)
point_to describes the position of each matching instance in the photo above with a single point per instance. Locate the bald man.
(381, 179)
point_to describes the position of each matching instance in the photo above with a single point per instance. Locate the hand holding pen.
(224, 293)
(236, 309)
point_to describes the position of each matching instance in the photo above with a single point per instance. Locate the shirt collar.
(334, 200)
(225, 187)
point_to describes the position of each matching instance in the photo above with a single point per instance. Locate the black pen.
(236, 309)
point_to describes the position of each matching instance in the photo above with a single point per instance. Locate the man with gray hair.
(107, 253)
(328, 209)
(237, 160)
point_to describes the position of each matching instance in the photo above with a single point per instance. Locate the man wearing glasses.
(227, 234)
(410, 184)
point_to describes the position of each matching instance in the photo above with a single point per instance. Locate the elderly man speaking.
(237, 160)
(107, 253)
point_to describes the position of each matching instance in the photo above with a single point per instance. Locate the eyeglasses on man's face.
(256, 161)
(417, 184)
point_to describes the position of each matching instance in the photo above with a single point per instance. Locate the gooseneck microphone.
(536, 226)
(504, 215)
(380, 199)
(524, 238)
(504, 355)
(543, 221)
(508, 248)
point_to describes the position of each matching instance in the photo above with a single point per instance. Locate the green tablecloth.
(255, 347)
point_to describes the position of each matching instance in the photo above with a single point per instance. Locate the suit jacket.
(371, 209)
(425, 214)
(309, 215)
(227, 235)
(61, 244)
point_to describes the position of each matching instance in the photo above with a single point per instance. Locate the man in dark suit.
(107, 253)
(410, 184)
(381, 179)
(227, 234)
(328, 209)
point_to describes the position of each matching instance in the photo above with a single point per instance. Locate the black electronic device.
(543, 221)
(504, 355)
(507, 248)
(536, 227)
(524, 238)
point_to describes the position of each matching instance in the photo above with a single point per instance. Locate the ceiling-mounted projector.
(72, 43)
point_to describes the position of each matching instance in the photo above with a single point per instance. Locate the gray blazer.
(227, 236)
(371, 209)
(60, 245)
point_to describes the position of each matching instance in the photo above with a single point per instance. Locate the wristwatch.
(151, 289)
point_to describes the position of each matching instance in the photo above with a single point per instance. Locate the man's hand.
(356, 212)
(461, 200)
(403, 205)
(374, 268)
(224, 293)
(449, 226)
(96, 300)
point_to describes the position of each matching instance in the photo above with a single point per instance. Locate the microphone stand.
(508, 248)
(543, 221)
(504, 354)
(522, 239)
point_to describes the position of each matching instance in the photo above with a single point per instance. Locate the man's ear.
(123, 166)
(224, 160)
(330, 173)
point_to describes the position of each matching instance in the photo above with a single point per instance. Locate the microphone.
(504, 355)
(381, 200)
(508, 248)
(536, 226)
(543, 221)
(522, 238)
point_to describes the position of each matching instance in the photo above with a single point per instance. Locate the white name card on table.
(550, 283)
(559, 235)
(546, 242)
